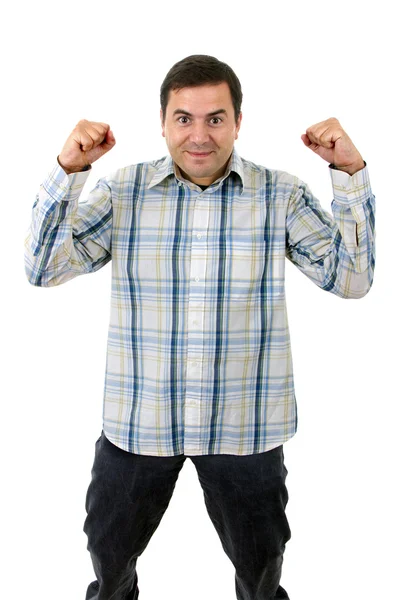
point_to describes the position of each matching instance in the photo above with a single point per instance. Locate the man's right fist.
(87, 143)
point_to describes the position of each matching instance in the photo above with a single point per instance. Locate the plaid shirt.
(198, 353)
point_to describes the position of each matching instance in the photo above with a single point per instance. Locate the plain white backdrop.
(299, 63)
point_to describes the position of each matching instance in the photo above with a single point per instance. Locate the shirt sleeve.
(66, 237)
(337, 254)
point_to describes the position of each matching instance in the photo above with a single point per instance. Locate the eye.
(216, 120)
(183, 122)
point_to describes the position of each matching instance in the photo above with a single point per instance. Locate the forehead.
(201, 99)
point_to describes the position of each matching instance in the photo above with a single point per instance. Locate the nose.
(199, 134)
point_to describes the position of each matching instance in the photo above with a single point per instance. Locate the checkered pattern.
(198, 356)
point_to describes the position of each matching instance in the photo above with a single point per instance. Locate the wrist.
(70, 171)
(350, 169)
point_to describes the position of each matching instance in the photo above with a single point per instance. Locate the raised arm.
(67, 238)
(337, 253)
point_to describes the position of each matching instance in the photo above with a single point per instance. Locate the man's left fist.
(329, 140)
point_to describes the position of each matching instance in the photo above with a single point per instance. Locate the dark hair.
(200, 69)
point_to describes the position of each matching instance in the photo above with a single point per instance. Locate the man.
(198, 360)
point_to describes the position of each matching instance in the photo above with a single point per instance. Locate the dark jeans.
(245, 497)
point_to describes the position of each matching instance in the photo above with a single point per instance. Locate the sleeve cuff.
(61, 186)
(350, 189)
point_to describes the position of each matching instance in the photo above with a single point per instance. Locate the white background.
(299, 63)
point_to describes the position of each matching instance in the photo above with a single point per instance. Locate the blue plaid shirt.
(198, 357)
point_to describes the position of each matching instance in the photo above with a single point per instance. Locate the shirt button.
(194, 364)
(199, 236)
(195, 322)
(197, 278)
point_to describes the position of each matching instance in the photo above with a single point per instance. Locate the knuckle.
(96, 135)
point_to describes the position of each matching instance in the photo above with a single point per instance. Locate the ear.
(162, 124)
(238, 124)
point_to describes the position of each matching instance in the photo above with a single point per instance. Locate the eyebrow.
(188, 114)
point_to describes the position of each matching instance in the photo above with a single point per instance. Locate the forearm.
(337, 253)
(54, 249)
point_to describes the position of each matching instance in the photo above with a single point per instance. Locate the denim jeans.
(245, 497)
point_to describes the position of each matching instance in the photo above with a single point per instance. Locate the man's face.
(200, 131)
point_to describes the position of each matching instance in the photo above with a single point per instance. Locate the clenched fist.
(329, 140)
(86, 144)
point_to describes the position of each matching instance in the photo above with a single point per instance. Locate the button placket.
(195, 323)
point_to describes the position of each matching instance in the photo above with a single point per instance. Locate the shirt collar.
(167, 168)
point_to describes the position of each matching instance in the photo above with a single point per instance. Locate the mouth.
(199, 154)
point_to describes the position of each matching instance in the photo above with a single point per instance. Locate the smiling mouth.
(199, 154)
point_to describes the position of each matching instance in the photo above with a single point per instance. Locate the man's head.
(201, 115)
